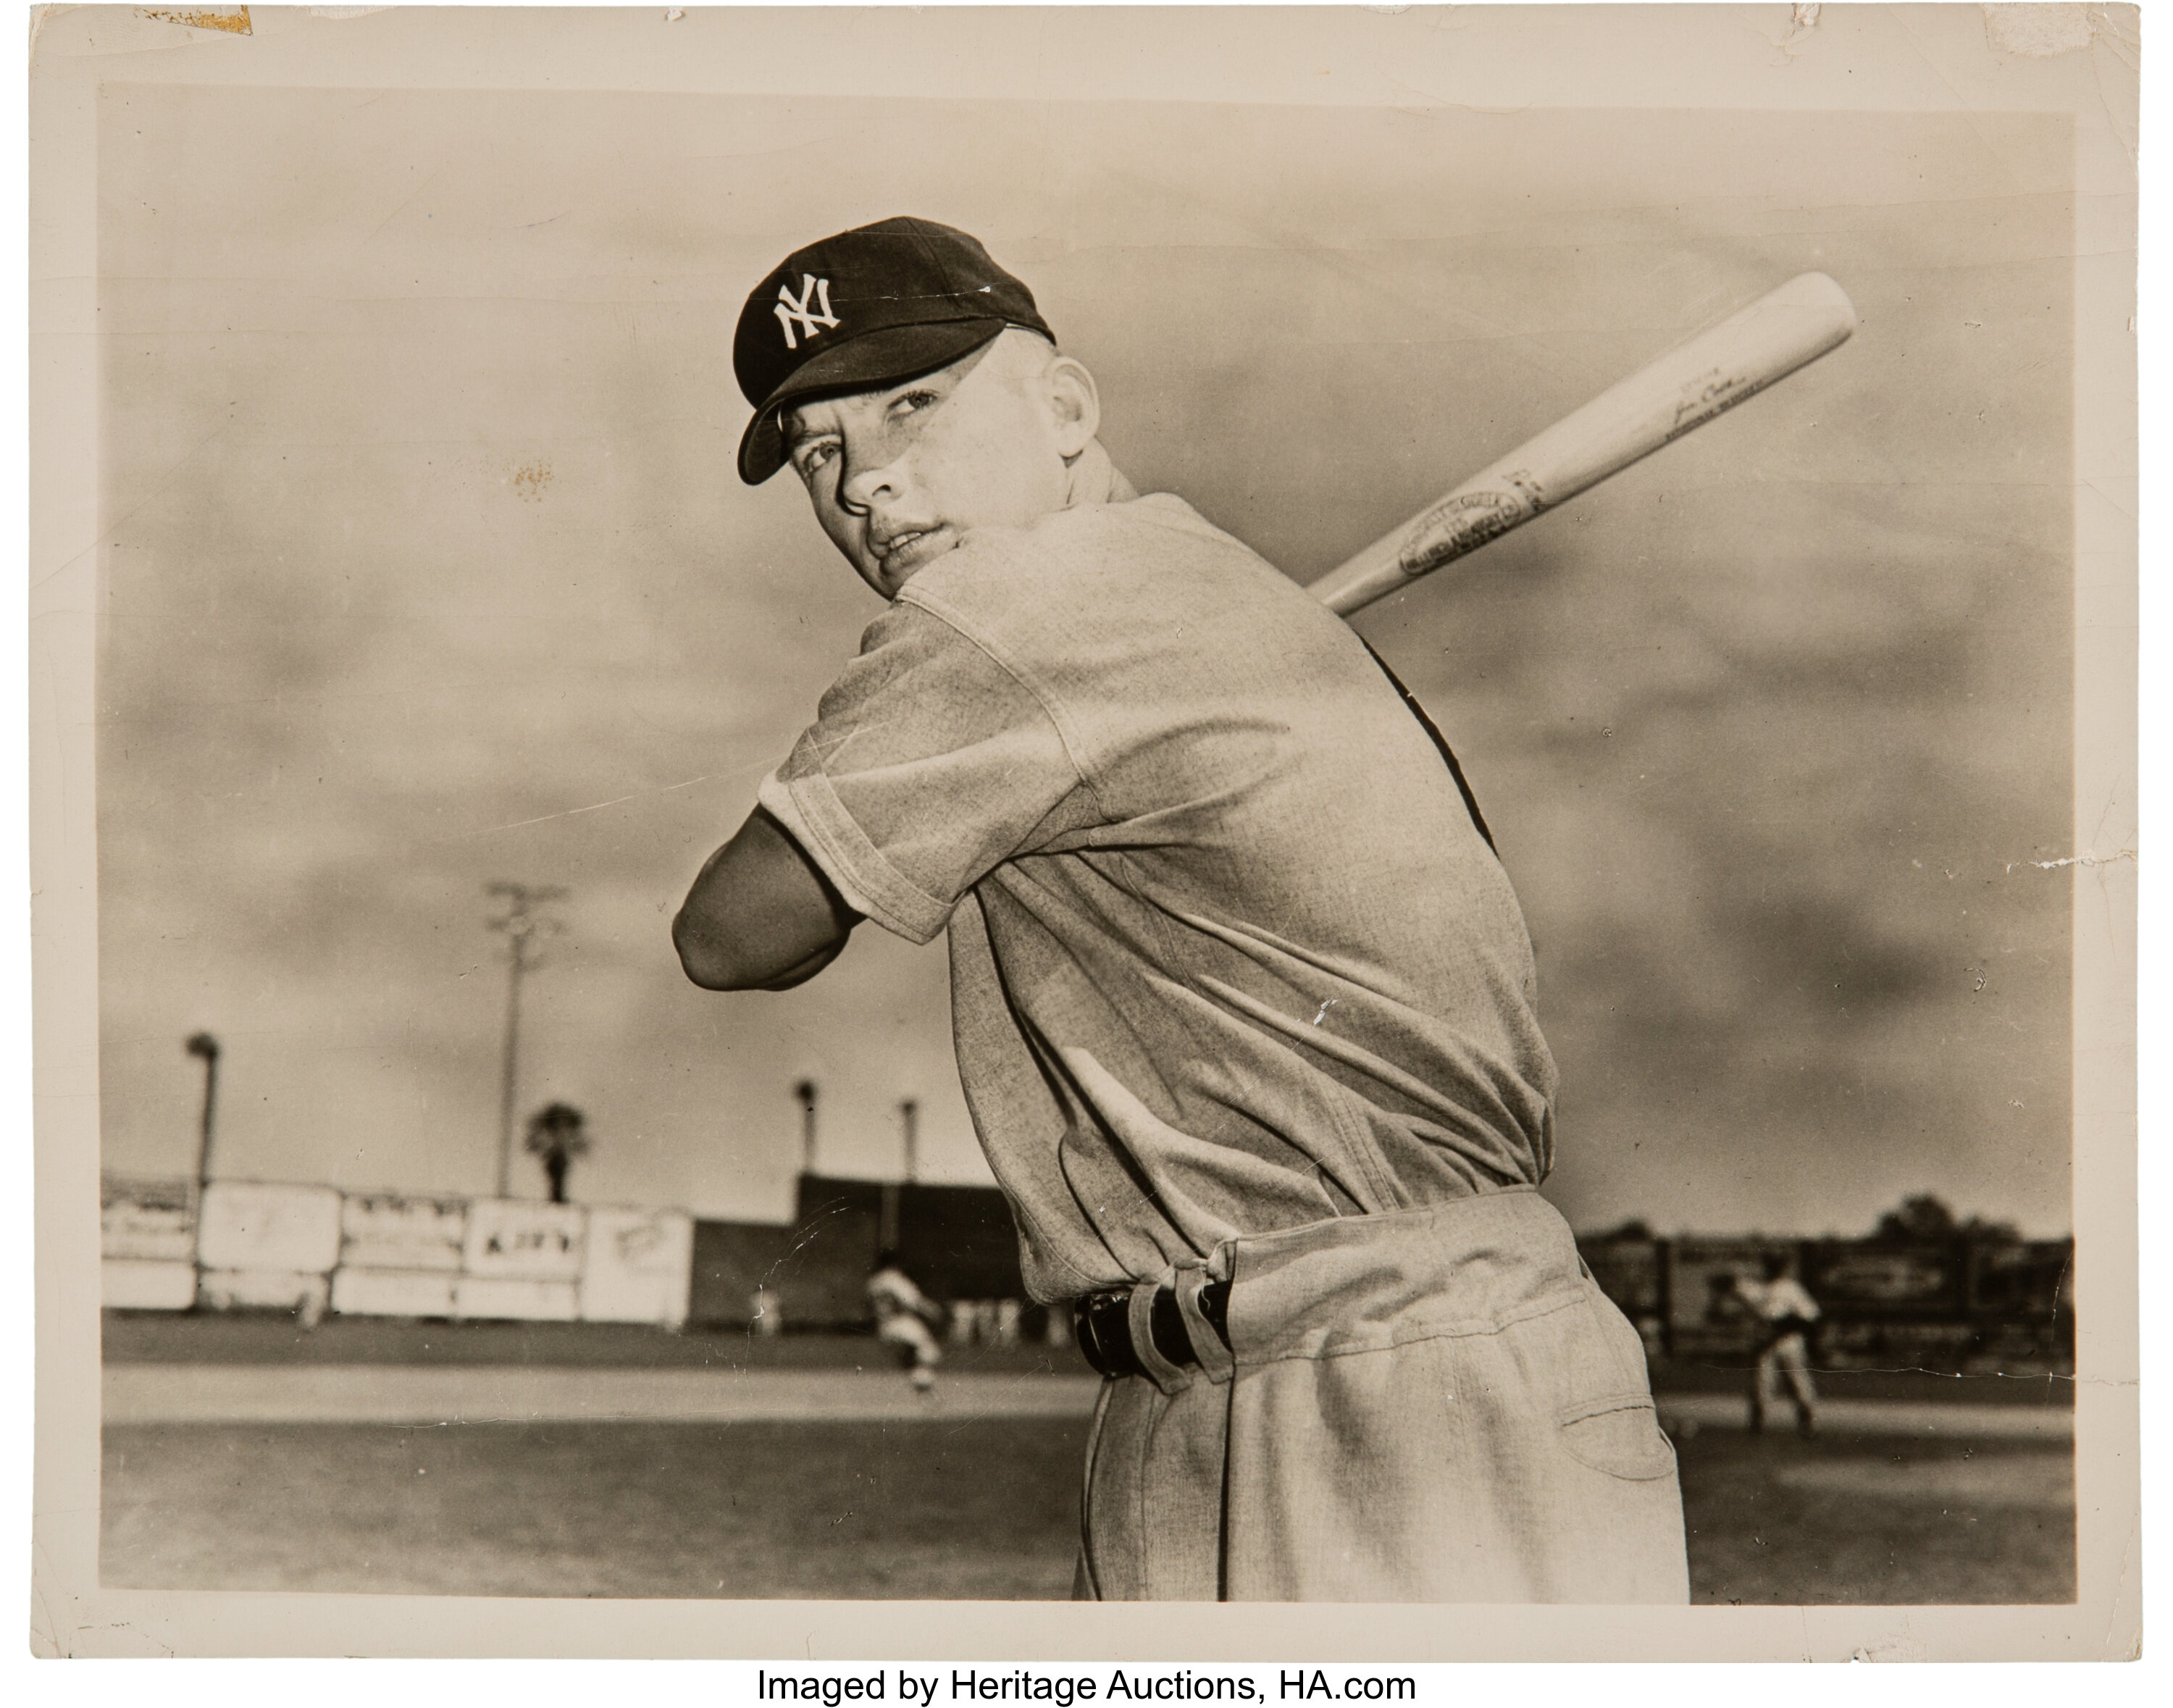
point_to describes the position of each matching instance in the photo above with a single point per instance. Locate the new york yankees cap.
(868, 307)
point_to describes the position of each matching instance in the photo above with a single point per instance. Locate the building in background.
(957, 1241)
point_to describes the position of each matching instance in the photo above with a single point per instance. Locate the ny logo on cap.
(790, 308)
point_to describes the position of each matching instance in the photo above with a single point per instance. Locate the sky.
(429, 567)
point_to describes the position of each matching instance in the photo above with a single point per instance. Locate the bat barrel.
(1669, 397)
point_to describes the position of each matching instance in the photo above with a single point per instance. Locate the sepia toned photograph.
(1151, 835)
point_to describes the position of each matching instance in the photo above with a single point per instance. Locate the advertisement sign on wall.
(149, 1220)
(638, 1265)
(254, 1226)
(1901, 1280)
(517, 1239)
(387, 1231)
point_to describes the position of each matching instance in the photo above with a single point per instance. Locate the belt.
(1102, 1324)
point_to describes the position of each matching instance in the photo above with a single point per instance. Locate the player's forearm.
(761, 916)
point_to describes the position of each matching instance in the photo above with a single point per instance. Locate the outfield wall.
(1939, 1304)
(1948, 1304)
(312, 1249)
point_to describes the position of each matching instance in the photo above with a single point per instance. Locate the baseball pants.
(1787, 1359)
(910, 1339)
(1430, 1405)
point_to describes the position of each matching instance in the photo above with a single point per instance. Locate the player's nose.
(870, 478)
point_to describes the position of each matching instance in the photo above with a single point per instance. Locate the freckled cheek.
(993, 472)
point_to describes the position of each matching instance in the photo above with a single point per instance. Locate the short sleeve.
(927, 764)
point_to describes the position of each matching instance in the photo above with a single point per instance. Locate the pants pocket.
(1618, 1433)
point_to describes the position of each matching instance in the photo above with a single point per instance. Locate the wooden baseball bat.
(1665, 399)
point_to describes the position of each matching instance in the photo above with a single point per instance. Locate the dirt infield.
(264, 1337)
(154, 1337)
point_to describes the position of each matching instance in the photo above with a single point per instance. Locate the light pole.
(893, 1192)
(804, 1091)
(520, 927)
(205, 1048)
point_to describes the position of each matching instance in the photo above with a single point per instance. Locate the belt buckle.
(1101, 1325)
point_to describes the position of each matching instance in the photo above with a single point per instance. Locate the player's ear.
(1075, 405)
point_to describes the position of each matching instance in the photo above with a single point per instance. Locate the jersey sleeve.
(927, 765)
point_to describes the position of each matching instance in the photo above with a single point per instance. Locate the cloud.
(429, 568)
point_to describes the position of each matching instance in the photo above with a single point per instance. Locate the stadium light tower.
(521, 926)
(893, 1191)
(205, 1048)
(804, 1091)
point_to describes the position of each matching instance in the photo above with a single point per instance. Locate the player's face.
(899, 476)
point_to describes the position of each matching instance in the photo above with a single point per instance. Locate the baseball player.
(1244, 1006)
(1787, 1316)
(904, 1316)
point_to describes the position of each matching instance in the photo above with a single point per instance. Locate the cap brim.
(880, 358)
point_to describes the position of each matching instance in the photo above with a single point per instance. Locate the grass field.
(983, 1509)
(986, 1509)
(979, 1508)
(1877, 1519)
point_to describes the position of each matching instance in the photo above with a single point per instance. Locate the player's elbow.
(708, 957)
(761, 916)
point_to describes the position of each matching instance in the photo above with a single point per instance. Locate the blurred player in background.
(1788, 1317)
(905, 1317)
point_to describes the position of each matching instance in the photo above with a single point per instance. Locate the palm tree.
(556, 1135)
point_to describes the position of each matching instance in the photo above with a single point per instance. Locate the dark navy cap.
(866, 307)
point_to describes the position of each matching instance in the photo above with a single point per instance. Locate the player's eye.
(910, 402)
(810, 457)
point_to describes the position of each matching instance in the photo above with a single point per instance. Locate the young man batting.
(1244, 1006)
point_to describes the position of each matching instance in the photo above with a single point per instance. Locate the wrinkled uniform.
(1240, 993)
